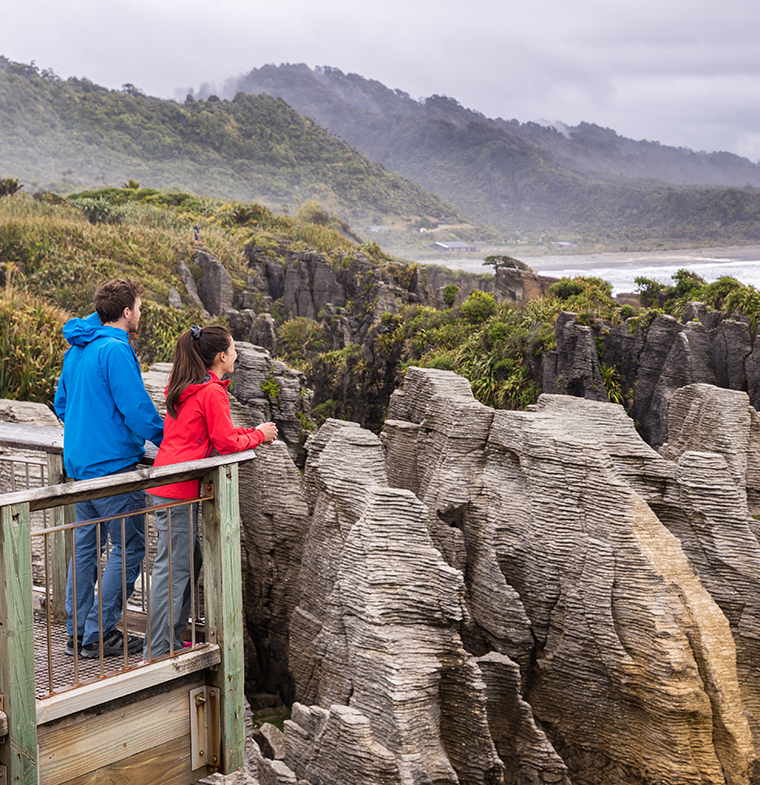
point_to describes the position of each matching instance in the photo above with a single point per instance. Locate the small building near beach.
(452, 247)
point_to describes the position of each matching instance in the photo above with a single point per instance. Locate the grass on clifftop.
(55, 252)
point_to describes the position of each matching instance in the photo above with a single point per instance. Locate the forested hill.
(347, 103)
(66, 135)
(525, 176)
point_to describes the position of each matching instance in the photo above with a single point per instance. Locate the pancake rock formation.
(482, 596)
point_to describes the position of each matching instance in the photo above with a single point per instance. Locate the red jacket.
(203, 424)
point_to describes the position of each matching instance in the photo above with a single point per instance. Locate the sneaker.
(113, 645)
(70, 645)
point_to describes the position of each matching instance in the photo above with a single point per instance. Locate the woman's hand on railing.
(269, 429)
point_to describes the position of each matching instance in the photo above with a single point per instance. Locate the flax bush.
(31, 346)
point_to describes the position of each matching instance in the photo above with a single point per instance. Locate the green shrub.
(566, 288)
(271, 388)
(31, 346)
(10, 186)
(450, 294)
(299, 340)
(648, 290)
(98, 210)
(443, 362)
(627, 311)
(478, 307)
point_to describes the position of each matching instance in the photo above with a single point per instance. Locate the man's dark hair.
(114, 296)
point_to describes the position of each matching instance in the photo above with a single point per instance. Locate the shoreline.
(566, 259)
(736, 253)
(621, 268)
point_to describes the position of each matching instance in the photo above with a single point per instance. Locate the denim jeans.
(87, 551)
(184, 565)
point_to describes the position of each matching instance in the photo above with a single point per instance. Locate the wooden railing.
(39, 738)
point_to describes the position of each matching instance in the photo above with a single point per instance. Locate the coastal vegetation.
(64, 135)
(419, 172)
(54, 251)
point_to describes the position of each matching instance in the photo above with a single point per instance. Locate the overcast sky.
(684, 73)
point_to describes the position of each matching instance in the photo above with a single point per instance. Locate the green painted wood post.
(224, 608)
(60, 545)
(19, 752)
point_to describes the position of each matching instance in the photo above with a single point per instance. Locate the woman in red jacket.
(197, 422)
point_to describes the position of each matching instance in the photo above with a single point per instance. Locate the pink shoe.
(187, 644)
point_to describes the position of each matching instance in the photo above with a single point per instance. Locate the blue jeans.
(186, 561)
(87, 551)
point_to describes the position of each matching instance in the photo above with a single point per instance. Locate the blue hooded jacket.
(101, 398)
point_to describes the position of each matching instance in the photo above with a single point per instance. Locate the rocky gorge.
(484, 596)
(455, 593)
(354, 301)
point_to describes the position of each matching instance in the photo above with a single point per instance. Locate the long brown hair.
(196, 351)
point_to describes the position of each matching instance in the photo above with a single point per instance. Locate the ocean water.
(621, 269)
(622, 277)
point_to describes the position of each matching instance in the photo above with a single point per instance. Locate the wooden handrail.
(113, 484)
(220, 517)
(32, 437)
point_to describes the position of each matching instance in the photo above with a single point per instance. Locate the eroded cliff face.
(653, 362)
(483, 596)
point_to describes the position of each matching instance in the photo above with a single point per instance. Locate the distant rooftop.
(455, 246)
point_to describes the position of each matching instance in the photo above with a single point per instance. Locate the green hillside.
(590, 183)
(54, 252)
(65, 135)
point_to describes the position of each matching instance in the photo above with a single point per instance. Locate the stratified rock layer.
(490, 596)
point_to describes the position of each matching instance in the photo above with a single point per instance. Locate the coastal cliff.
(484, 596)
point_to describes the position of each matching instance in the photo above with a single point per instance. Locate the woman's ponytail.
(196, 351)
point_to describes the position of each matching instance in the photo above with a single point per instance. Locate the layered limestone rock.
(715, 440)
(653, 362)
(215, 288)
(375, 640)
(573, 368)
(274, 521)
(540, 598)
(273, 391)
(519, 286)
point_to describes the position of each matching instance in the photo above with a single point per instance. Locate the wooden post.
(224, 609)
(19, 752)
(60, 544)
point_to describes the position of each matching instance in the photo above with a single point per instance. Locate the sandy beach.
(621, 268)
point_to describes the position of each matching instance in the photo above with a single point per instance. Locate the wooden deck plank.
(114, 484)
(127, 683)
(72, 749)
(167, 764)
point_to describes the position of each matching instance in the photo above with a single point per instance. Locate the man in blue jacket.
(107, 416)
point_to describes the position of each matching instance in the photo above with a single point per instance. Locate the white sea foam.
(623, 278)
(621, 269)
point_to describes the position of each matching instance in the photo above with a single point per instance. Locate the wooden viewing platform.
(173, 720)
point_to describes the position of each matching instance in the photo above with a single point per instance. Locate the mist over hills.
(381, 156)
(512, 174)
(346, 104)
(67, 135)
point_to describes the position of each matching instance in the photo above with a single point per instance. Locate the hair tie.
(196, 332)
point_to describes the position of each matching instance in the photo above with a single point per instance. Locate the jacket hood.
(192, 389)
(80, 332)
